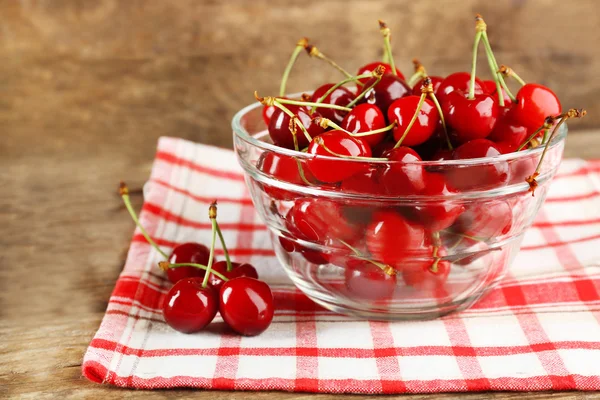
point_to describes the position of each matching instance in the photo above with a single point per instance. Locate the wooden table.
(78, 113)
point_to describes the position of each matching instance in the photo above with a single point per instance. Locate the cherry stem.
(300, 45)
(471, 95)
(420, 72)
(498, 77)
(384, 267)
(314, 52)
(164, 265)
(427, 87)
(462, 235)
(375, 131)
(268, 101)
(435, 236)
(212, 214)
(124, 192)
(385, 56)
(509, 72)
(295, 138)
(222, 240)
(412, 121)
(387, 33)
(547, 125)
(310, 103)
(321, 143)
(337, 85)
(377, 74)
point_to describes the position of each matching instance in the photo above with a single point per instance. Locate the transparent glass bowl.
(391, 256)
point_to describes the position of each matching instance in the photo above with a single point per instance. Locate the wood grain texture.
(87, 87)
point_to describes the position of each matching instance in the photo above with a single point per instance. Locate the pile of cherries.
(385, 117)
(201, 286)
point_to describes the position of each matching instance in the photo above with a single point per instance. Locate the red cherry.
(340, 96)
(507, 134)
(285, 169)
(388, 90)
(372, 66)
(366, 281)
(367, 181)
(485, 220)
(287, 244)
(294, 221)
(478, 177)
(321, 221)
(189, 307)
(267, 113)
(237, 270)
(194, 253)
(428, 276)
(470, 118)
(442, 154)
(436, 81)
(489, 87)
(392, 239)
(365, 118)
(402, 111)
(442, 213)
(403, 176)
(534, 103)
(387, 144)
(279, 127)
(457, 81)
(341, 143)
(246, 305)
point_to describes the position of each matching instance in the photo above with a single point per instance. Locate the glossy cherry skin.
(402, 111)
(478, 177)
(436, 81)
(188, 307)
(371, 67)
(404, 176)
(470, 118)
(340, 97)
(190, 252)
(388, 90)
(485, 220)
(392, 239)
(489, 87)
(279, 127)
(321, 221)
(440, 214)
(267, 113)
(457, 81)
(285, 169)
(507, 133)
(365, 118)
(366, 281)
(237, 270)
(534, 103)
(293, 218)
(424, 276)
(367, 181)
(246, 305)
(340, 143)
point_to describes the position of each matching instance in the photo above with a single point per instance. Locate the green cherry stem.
(420, 72)
(300, 45)
(339, 84)
(377, 74)
(310, 103)
(313, 51)
(547, 126)
(124, 192)
(427, 87)
(375, 131)
(412, 121)
(212, 214)
(488, 50)
(357, 254)
(320, 142)
(387, 33)
(268, 101)
(510, 73)
(225, 251)
(165, 265)
(471, 95)
(481, 27)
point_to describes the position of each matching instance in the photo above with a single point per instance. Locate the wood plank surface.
(87, 87)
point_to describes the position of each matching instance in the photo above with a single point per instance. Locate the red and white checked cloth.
(539, 330)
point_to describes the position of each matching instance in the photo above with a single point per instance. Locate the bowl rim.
(242, 133)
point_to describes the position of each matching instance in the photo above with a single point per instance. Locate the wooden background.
(87, 87)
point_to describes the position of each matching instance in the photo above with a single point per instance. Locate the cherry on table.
(367, 281)
(388, 90)
(237, 270)
(341, 96)
(188, 307)
(534, 103)
(190, 252)
(457, 81)
(494, 173)
(372, 66)
(402, 111)
(246, 305)
(279, 127)
(365, 118)
(436, 81)
(340, 143)
(470, 118)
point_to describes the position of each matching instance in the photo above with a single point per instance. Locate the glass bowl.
(382, 254)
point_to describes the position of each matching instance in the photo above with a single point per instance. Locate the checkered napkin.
(539, 330)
